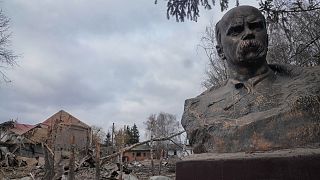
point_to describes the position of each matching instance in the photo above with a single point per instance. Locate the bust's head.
(242, 37)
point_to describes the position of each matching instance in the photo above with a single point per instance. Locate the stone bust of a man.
(262, 106)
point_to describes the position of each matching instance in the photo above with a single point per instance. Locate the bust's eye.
(235, 30)
(256, 25)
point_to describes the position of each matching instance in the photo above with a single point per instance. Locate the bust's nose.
(248, 34)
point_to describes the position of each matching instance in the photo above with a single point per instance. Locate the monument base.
(299, 163)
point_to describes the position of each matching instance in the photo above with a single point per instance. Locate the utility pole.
(97, 159)
(112, 136)
(121, 152)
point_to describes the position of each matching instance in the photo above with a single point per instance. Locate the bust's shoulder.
(209, 95)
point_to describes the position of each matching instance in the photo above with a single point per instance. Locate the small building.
(138, 153)
(179, 150)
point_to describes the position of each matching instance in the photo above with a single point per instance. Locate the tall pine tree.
(134, 134)
(107, 141)
(128, 139)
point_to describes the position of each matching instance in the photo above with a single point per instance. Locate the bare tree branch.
(106, 158)
(7, 56)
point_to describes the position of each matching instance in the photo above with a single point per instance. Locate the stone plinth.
(300, 163)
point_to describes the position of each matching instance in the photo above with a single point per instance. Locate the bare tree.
(7, 56)
(216, 71)
(49, 162)
(294, 31)
(49, 150)
(120, 137)
(98, 134)
(97, 175)
(151, 124)
(162, 125)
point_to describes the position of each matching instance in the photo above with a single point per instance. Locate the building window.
(175, 152)
(144, 154)
(133, 154)
(138, 154)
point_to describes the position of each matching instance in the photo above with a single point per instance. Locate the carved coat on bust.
(262, 106)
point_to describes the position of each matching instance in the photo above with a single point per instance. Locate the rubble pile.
(32, 168)
(34, 152)
(13, 167)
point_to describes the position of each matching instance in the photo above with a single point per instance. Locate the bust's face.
(244, 36)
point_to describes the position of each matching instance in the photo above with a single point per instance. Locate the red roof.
(64, 118)
(21, 128)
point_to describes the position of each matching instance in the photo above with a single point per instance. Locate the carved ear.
(267, 42)
(220, 52)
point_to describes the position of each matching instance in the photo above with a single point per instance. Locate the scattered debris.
(159, 178)
(17, 162)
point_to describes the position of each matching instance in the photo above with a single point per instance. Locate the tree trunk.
(97, 160)
(48, 164)
(160, 162)
(121, 165)
(151, 156)
(72, 160)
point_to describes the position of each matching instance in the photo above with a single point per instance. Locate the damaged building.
(139, 153)
(57, 132)
(64, 130)
(12, 139)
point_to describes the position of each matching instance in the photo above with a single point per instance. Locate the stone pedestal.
(300, 163)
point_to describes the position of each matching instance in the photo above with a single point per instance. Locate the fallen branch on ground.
(106, 158)
(32, 176)
(48, 148)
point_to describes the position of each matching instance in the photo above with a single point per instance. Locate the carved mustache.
(249, 45)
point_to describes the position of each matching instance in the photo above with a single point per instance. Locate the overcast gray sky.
(102, 61)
